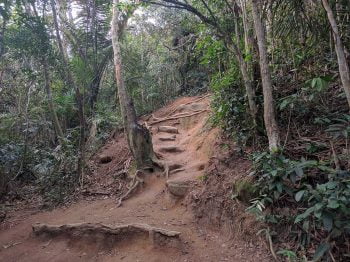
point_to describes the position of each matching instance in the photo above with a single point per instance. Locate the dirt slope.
(186, 145)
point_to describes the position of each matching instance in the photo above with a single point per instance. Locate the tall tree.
(139, 138)
(269, 112)
(339, 48)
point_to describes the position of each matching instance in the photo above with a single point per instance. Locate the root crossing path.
(154, 224)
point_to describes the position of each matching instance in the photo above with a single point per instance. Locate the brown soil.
(153, 205)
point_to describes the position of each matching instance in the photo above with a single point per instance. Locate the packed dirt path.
(185, 143)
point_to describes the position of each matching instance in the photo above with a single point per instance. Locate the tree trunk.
(269, 112)
(62, 11)
(55, 121)
(5, 17)
(243, 65)
(340, 50)
(139, 138)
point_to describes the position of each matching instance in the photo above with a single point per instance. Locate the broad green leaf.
(333, 204)
(327, 220)
(299, 195)
(299, 171)
(304, 215)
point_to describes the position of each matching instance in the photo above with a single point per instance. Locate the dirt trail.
(185, 144)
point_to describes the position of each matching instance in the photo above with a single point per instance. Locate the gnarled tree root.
(135, 182)
(112, 234)
(163, 165)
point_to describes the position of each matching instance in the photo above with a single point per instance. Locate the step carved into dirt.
(112, 234)
(170, 149)
(174, 166)
(167, 138)
(168, 129)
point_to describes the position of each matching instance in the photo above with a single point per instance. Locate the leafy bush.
(56, 173)
(230, 106)
(320, 196)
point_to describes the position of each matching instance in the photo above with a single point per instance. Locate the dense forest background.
(278, 72)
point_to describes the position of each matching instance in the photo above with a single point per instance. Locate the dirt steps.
(184, 175)
(130, 236)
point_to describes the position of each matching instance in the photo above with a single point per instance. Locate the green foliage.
(28, 35)
(321, 194)
(290, 255)
(56, 174)
(210, 50)
(244, 190)
(341, 128)
(230, 106)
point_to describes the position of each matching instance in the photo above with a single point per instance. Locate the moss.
(244, 190)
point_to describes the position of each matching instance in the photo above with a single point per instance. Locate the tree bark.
(340, 50)
(139, 138)
(269, 112)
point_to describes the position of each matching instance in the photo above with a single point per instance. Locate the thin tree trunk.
(62, 11)
(269, 112)
(79, 97)
(246, 79)
(55, 121)
(245, 25)
(26, 135)
(139, 138)
(243, 65)
(246, 67)
(3, 26)
(340, 50)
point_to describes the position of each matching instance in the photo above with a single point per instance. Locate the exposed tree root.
(124, 170)
(177, 117)
(175, 166)
(163, 165)
(135, 182)
(157, 236)
(95, 193)
(177, 170)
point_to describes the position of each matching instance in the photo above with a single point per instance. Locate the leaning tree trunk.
(139, 138)
(269, 112)
(339, 48)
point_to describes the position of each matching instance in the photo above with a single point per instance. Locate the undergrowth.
(309, 198)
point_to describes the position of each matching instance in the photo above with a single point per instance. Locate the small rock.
(178, 188)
